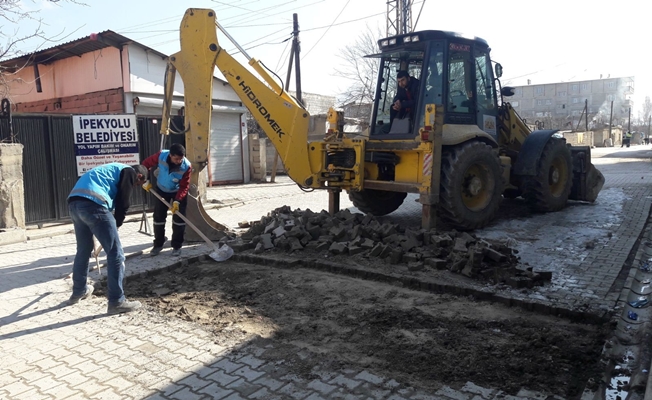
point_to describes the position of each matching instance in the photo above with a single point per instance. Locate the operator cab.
(447, 69)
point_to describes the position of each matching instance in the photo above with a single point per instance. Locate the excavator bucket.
(195, 212)
(587, 180)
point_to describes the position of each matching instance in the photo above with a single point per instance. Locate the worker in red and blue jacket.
(172, 183)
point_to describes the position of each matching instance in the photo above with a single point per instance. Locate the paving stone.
(452, 393)
(243, 387)
(215, 391)
(321, 387)
(61, 392)
(227, 365)
(269, 382)
(251, 360)
(248, 373)
(194, 382)
(292, 390)
(470, 387)
(342, 380)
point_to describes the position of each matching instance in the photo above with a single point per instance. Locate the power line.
(278, 64)
(326, 31)
(248, 18)
(342, 23)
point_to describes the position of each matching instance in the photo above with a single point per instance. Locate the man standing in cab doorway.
(172, 183)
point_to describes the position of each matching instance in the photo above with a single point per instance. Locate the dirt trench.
(422, 340)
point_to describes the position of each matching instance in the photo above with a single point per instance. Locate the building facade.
(564, 105)
(107, 73)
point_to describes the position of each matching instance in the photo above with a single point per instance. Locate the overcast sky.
(552, 41)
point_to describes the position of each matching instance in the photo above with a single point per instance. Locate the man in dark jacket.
(97, 193)
(407, 95)
(172, 181)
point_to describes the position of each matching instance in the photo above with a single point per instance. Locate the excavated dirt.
(313, 320)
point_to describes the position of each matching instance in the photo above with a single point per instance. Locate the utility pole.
(586, 116)
(611, 118)
(629, 120)
(399, 17)
(294, 58)
(296, 43)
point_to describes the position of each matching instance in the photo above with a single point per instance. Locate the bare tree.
(647, 110)
(360, 72)
(14, 15)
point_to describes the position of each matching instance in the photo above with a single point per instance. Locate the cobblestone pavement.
(52, 351)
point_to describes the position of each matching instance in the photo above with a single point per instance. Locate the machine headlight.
(392, 41)
(415, 38)
(406, 39)
(384, 43)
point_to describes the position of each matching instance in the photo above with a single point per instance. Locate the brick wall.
(109, 101)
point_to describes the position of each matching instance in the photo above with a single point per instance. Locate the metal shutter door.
(225, 149)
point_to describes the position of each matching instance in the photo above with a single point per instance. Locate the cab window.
(460, 88)
(388, 120)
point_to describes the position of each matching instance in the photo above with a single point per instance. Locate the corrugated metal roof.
(73, 48)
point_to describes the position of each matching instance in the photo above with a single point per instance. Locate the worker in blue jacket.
(98, 192)
(172, 170)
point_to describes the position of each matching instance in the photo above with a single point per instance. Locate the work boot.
(124, 307)
(157, 249)
(176, 252)
(75, 299)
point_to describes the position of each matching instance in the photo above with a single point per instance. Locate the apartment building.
(561, 105)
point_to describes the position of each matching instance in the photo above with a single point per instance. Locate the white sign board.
(103, 139)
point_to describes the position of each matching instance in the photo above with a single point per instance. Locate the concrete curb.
(12, 236)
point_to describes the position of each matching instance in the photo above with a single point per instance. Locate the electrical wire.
(342, 23)
(327, 29)
(414, 28)
(247, 17)
(278, 64)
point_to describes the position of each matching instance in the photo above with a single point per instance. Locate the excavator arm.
(283, 119)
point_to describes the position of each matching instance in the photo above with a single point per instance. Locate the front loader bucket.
(587, 180)
(197, 215)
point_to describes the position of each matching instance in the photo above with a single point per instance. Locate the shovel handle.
(183, 217)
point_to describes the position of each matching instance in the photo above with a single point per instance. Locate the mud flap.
(587, 180)
(197, 215)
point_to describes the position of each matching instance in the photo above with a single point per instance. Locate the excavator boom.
(283, 119)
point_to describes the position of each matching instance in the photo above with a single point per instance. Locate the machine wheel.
(550, 188)
(377, 202)
(511, 193)
(471, 185)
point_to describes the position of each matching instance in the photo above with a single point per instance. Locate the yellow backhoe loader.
(459, 145)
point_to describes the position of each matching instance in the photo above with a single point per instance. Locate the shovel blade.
(222, 254)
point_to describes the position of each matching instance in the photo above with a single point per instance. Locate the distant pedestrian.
(172, 181)
(99, 191)
(627, 138)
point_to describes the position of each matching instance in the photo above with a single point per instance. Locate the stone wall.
(579, 138)
(12, 194)
(257, 157)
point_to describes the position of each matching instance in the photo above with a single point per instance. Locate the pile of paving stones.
(358, 235)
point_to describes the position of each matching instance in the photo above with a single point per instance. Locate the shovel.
(219, 253)
(97, 248)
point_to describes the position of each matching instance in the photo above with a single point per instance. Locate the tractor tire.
(471, 186)
(550, 188)
(511, 193)
(377, 202)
